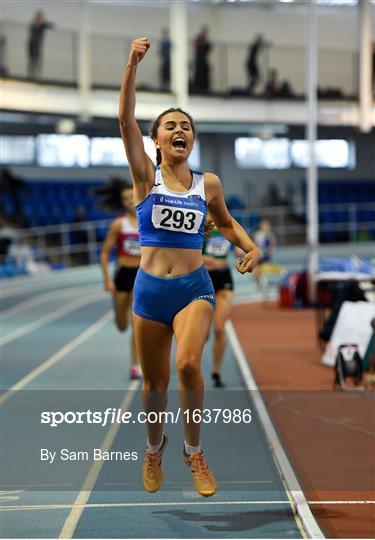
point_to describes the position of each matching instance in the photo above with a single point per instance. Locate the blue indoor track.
(58, 334)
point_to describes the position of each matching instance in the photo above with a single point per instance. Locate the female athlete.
(215, 258)
(118, 196)
(173, 293)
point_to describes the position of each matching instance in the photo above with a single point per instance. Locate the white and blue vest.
(170, 219)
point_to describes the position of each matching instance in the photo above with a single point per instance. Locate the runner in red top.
(123, 232)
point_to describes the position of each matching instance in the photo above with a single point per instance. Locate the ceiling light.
(65, 126)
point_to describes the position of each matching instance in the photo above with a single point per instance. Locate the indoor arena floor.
(59, 336)
(59, 341)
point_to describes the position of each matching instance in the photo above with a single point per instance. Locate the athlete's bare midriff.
(170, 262)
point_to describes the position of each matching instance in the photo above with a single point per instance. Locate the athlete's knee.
(122, 325)
(155, 385)
(219, 331)
(188, 365)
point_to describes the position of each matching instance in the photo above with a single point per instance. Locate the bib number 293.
(176, 219)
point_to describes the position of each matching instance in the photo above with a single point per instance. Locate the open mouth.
(179, 143)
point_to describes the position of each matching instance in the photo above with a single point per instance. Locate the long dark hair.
(156, 124)
(109, 195)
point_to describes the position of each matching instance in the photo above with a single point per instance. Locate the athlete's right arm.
(141, 166)
(109, 242)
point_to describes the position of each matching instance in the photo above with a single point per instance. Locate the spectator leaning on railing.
(202, 48)
(37, 28)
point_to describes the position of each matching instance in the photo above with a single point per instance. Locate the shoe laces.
(153, 460)
(199, 465)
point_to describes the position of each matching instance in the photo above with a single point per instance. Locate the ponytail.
(158, 156)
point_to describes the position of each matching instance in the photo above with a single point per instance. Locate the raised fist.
(138, 49)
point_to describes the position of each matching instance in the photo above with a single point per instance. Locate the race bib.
(177, 215)
(217, 247)
(132, 246)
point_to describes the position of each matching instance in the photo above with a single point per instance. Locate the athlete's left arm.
(228, 226)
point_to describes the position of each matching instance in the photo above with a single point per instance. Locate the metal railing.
(70, 244)
(344, 222)
(227, 62)
(58, 58)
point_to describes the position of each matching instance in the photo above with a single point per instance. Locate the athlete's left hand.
(248, 262)
(209, 225)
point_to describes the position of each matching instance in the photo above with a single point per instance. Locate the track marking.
(51, 280)
(201, 502)
(83, 506)
(303, 515)
(28, 486)
(34, 301)
(13, 495)
(342, 502)
(180, 484)
(57, 356)
(50, 317)
(329, 421)
(79, 504)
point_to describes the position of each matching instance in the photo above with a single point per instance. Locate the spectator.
(37, 28)
(373, 68)
(275, 88)
(80, 236)
(13, 186)
(272, 86)
(363, 234)
(8, 235)
(202, 47)
(286, 89)
(24, 255)
(165, 60)
(252, 61)
(265, 239)
(3, 61)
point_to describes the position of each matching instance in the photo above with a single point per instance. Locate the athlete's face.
(265, 225)
(127, 199)
(175, 136)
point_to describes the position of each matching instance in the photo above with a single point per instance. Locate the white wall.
(252, 184)
(283, 25)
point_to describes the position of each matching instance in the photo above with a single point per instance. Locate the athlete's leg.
(121, 303)
(222, 313)
(153, 342)
(134, 358)
(191, 326)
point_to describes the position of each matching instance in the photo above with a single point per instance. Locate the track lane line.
(52, 280)
(125, 485)
(140, 504)
(30, 327)
(303, 515)
(14, 508)
(79, 504)
(69, 347)
(39, 299)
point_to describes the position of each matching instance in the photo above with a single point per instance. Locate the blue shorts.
(160, 299)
